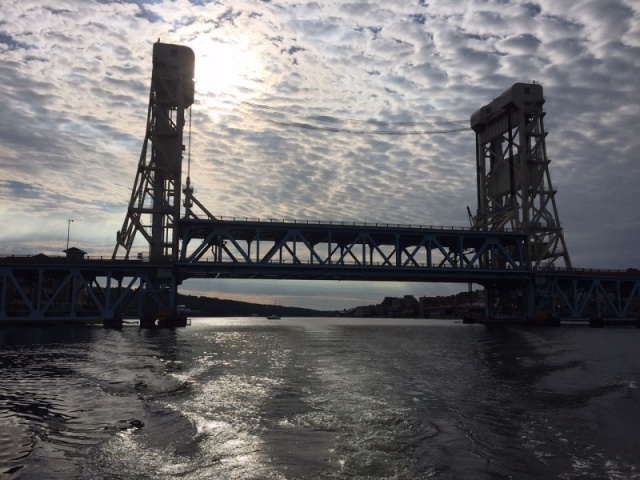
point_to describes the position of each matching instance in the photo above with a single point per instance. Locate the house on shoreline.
(452, 306)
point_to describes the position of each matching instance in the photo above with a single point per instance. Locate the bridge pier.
(173, 319)
(596, 322)
(114, 323)
(163, 318)
(147, 320)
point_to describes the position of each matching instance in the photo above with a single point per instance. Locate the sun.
(225, 69)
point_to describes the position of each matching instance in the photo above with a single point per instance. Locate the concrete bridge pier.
(114, 322)
(163, 318)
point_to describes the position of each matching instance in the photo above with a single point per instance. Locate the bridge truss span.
(263, 249)
(573, 295)
(55, 289)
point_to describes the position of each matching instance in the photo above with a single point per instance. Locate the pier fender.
(114, 322)
(597, 322)
(553, 321)
(163, 318)
(172, 319)
(148, 321)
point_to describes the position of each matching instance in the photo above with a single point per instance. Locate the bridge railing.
(592, 270)
(87, 258)
(343, 223)
(144, 258)
(341, 263)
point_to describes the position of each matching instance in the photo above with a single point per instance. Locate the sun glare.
(225, 69)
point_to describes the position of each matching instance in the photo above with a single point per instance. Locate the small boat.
(273, 317)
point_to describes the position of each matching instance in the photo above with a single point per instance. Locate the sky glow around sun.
(225, 69)
(226, 74)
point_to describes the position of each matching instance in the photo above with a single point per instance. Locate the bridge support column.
(163, 318)
(148, 320)
(114, 322)
(172, 319)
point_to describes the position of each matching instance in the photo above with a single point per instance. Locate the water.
(320, 399)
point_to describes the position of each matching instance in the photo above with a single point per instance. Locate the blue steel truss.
(580, 294)
(347, 251)
(89, 290)
(54, 289)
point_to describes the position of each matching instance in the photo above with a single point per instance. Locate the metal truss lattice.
(514, 183)
(315, 250)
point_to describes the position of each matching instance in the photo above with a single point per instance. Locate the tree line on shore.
(201, 306)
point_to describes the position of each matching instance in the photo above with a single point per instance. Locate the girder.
(250, 248)
(54, 289)
(581, 294)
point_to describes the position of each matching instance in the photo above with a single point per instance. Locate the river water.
(251, 398)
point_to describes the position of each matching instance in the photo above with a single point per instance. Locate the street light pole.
(68, 231)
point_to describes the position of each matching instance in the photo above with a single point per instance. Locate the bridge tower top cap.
(518, 96)
(180, 58)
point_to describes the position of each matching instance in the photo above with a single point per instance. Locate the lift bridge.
(514, 248)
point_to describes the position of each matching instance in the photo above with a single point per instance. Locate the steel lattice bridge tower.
(514, 183)
(154, 207)
(515, 247)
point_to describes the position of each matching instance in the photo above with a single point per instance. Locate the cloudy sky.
(387, 84)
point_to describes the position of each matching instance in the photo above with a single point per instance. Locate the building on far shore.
(452, 306)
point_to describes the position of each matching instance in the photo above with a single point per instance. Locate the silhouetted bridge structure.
(515, 247)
